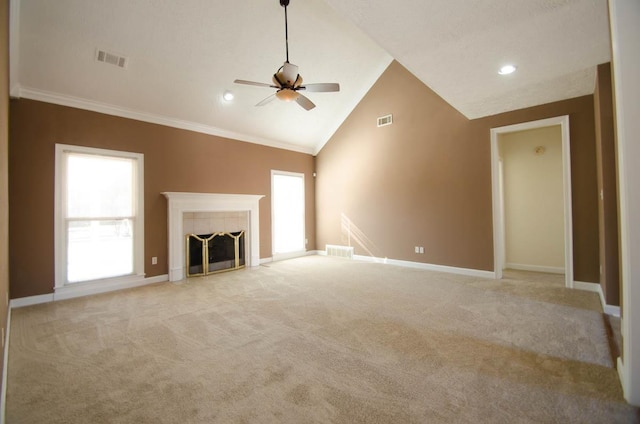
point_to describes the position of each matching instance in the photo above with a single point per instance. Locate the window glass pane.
(288, 213)
(99, 249)
(99, 186)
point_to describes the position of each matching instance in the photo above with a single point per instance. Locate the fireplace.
(181, 204)
(212, 253)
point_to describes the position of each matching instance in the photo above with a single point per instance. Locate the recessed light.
(228, 95)
(507, 69)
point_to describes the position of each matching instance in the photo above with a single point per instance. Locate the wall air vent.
(385, 120)
(111, 58)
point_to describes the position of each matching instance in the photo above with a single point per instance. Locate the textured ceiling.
(184, 54)
(457, 46)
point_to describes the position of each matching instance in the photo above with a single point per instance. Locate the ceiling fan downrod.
(285, 3)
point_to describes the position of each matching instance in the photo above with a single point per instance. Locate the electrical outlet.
(421, 249)
(417, 249)
(154, 260)
(306, 241)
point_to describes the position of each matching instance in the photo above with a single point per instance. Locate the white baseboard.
(620, 369)
(597, 288)
(85, 290)
(428, 267)
(292, 255)
(5, 362)
(536, 268)
(30, 300)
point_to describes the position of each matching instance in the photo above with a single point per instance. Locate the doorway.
(287, 214)
(499, 212)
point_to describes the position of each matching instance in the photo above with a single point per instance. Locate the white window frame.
(61, 284)
(280, 256)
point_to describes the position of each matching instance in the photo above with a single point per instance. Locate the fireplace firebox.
(216, 252)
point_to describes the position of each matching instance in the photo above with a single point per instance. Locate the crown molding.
(108, 109)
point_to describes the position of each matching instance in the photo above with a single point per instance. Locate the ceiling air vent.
(111, 58)
(385, 120)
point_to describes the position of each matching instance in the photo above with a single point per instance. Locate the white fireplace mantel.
(179, 203)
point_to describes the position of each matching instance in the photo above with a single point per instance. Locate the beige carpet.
(318, 340)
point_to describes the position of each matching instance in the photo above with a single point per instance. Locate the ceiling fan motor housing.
(280, 80)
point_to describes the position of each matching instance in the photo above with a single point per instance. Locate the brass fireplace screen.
(217, 252)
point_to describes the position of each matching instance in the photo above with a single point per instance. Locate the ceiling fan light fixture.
(287, 95)
(227, 96)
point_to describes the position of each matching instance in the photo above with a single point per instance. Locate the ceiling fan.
(288, 82)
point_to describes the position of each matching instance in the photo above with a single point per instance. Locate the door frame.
(498, 216)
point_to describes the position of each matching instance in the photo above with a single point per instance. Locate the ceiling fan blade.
(321, 87)
(259, 84)
(305, 102)
(266, 100)
(290, 73)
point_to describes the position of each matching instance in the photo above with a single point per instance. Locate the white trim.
(14, 48)
(535, 268)
(30, 300)
(498, 219)
(82, 290)
(60, 233)
(597, 288)
(592, 287)
(427, 267)
(108, 109)
(287, 255)
(5, 362)
(178, 203)
(104, 286)
(265, 260)
(292, 255)
(611, 310)
(371, 259)
(624, 16)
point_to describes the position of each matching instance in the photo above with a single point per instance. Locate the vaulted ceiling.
(181, 56)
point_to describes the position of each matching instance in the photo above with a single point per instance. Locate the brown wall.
(426, 179)
(4, 189)
(175, 160)
(607, 185)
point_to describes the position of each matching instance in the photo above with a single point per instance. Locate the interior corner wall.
(4, 175)
(174, 160)
(607, 186)
(425, 180)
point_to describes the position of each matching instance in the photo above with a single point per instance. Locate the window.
(99, 214)
(287, 191)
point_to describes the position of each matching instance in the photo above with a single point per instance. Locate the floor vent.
(339, 251)
(111, 59)
(385, 120)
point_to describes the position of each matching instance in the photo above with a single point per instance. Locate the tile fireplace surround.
(180, 203)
